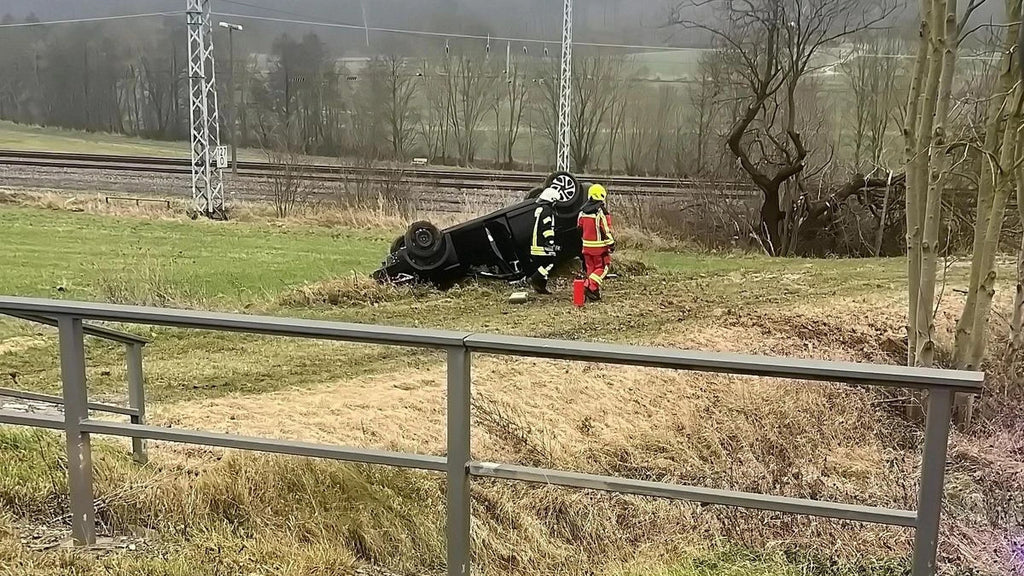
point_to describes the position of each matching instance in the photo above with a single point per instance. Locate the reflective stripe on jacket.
(596, 227)
(543, 231)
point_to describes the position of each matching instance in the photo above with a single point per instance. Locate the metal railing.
(136, 410)
(458, 465)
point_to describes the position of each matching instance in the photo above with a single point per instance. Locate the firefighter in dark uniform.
(543, 247)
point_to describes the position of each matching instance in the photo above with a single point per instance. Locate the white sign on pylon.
(221, 154)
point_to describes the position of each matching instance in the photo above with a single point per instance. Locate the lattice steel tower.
(565, 90)
(207, 184)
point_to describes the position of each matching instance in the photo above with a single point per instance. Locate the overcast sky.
(611, 21)
(633, 21)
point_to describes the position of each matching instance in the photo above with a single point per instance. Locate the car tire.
(573, 196)
(424, 240)
(398, 244)
(534, 193)
(427, 264)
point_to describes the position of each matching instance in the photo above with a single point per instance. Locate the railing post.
(458, 461)
(136, 397)
(79, 451)
(933, 470)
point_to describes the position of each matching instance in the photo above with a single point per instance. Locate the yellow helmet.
(597, 192)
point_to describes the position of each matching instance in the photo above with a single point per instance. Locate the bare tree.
(596, 90)
(620, 95)
(497, 105)
(544, 100)
(1016, 343)
(665, 113)
(998, 178)
(370, 129)
(928, 148)
(397, 102)
(516, 90)
(636, 135)
(591, 104)
(287, 187)
(705, 97)
(872, 72)
(770, 46)
(469, 90)
(434, 123)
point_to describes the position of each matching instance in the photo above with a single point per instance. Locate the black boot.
(592, 295)
(539, 284)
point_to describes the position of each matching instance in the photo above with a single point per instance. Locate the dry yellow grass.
(788, 438)
(328, 212)
(770, 436)
(19, 344)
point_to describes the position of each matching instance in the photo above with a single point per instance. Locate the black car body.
(493, 246)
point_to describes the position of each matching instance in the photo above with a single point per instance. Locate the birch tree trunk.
(913, 153)
(928, 169)
(1005, 183)
(987, 185)
(1017, 320)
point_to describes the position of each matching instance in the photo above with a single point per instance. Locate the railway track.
(435, 178)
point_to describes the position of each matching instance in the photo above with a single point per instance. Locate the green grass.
(230, 263)
(50, 139)
(47, 139)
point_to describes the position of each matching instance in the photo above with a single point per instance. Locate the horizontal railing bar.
(740, 364)
(267, 325)
(33, 420)
(695, 494)
(90, 329)
(22, 394)
(821, 370)
(291, 448)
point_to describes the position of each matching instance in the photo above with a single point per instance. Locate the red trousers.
(597, 268)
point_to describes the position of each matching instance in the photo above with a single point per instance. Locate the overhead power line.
(345, 26)
(93, 19)
(264, 8)
(361, 27)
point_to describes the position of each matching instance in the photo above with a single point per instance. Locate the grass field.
(25, 137)
(210, 513)
(47, 139)
(50, 139)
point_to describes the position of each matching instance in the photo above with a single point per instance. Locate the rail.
(447, 177)
(136, 410)
(458, 464)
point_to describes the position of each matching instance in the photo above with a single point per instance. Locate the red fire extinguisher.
(578, 296)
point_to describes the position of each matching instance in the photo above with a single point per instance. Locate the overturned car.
(496, 245)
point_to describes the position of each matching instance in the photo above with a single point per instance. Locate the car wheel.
(427, 264)
(424, 240)
(571, 194)
(398, 244)
(534, 193)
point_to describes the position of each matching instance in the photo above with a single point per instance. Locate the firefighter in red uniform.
(598, 242)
